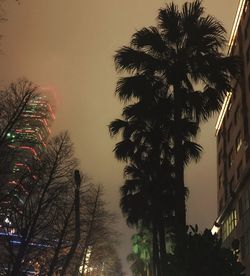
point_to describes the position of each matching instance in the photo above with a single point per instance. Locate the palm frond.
(191, 12)
(137, 111)
(169, 23)
(189, 129)
(192, 151)
(150, 40)
(124, 149)
(116, 126)
(212, 32)
(230, 64)
(134, 61)
(213, 99)
(197, 105)
(132, 87)
(131, 186)
(135, 208)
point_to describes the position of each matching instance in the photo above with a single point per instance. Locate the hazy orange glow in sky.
(69, 45)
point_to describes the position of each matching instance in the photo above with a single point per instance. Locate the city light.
(222, 112)
(236, 24)
(231, 42)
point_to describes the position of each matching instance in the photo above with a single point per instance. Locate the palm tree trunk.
(156, 259)
(155, 251)
(180, 211)
(163, 251)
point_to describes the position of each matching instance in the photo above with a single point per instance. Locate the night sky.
(69, 46)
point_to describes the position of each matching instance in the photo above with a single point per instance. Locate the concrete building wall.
(233, 150)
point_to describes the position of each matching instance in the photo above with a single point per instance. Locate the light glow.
(236, 24)
(240, 10)
(51, 112)
(30, 149)
(7, 220)
(222, 112)
(215, 229)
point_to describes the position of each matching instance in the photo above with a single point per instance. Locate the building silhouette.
(233, 146)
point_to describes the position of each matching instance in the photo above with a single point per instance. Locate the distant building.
(233, 146)
(25, 146)
(26, 143)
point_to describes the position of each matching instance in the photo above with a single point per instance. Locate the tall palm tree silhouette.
(176, 76)
(148, 191)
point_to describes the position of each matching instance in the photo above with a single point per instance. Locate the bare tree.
(33, 220)
(104, 259)
(14, 99)
(96, 227)
(52, 227)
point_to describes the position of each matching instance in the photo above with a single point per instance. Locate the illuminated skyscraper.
(233, 146)
(26, 145)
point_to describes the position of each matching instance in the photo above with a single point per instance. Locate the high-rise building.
(233, 146)
(25, 146)
(26, 143)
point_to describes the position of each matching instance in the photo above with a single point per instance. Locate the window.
(229, 225)
(238, 142)
(245, 8)
(219, 133)
(242, 247)
(228, 108)
(230, 159)
(231, 184)
(240, 208)
(220, 181)
(247, 26)
(239, 170)
(219, 157)
(245, 244)
(221, 204)
(235, 89)
(232, 222)
(236, 115)
(248, 54)
(229, 132)
(247, 241)
(245, 203)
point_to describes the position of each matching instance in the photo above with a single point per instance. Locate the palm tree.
(144, 191)
(148, 191)
(141, 253)
(150, 205)
(183, 58)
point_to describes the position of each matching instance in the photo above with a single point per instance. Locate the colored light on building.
(27, 143)
(240, 10)
(222, 112)
(236, 24)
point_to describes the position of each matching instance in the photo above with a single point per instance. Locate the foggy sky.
(69, 45)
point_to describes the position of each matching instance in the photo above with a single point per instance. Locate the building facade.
(25, 145)
(233, 146)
